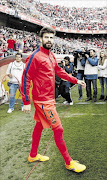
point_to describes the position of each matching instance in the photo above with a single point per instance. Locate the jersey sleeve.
(27, 77)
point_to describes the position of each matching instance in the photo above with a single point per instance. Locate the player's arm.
(27, 76)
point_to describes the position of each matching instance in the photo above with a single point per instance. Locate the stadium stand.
(74, 18)
(31, 42)
(63, 17)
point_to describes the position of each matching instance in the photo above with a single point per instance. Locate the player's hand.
(82, 83)
(27, 108)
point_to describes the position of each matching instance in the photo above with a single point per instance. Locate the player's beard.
(47, 45)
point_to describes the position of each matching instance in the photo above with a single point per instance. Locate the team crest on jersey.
(53, 121)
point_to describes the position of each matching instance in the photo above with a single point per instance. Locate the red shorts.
(45, 112)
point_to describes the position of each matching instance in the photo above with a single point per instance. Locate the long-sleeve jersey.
(40, 68)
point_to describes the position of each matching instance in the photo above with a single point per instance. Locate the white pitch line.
(90, 103)
(82, 114)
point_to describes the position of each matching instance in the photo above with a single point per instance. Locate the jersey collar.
(46, 51)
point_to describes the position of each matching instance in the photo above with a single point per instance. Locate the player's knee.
(58, 128)
(38, 126)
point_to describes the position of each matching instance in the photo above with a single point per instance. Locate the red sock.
(36, 139)
(58, 137)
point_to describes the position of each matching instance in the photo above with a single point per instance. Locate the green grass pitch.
(85, 130)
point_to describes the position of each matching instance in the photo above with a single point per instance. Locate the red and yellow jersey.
(40, 68)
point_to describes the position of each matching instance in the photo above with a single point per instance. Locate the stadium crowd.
(59, 16)
(74, 18)
(27, 42)
(12, 40)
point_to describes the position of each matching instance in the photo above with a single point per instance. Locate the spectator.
(5, 49)
(25, 48)
(1, 51)
(14, 72)
(11, 44)
(21, 44)
(65, 85)
(17, 45)
(91, 70)
(102, 75)
(80, 69)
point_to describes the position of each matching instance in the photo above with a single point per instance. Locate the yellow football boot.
(75, 166)
(38, 158)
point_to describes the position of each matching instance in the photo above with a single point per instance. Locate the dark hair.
(46, 30)
(18, 54)
(101, 61)
(67, 58)
(83, 47)
(92, 50)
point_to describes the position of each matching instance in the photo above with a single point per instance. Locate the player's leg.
(70, 164)
(59, 140)
(36, 136)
